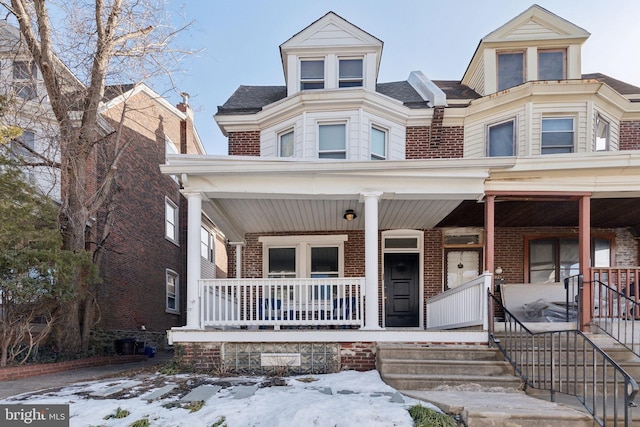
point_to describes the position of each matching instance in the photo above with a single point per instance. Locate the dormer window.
(552, 64)
(312, 74)
(350, 73)
(510, 69)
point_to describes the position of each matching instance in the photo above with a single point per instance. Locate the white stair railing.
(463, 306)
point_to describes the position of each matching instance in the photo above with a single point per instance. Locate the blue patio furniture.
(271, 309)
(343, 308)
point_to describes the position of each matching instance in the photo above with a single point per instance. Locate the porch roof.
(257, 195)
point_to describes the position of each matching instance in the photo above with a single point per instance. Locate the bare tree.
(96, 42)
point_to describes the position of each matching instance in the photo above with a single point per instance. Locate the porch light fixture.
(350, 215)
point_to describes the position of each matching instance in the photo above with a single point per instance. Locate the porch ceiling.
(238, 216)
(605, 213)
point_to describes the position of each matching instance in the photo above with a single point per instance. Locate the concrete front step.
(444, 381)
(446, 367)
(479, 408)
(439, 352)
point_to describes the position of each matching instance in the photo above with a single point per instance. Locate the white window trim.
(524, 65)
(173, 239)
(279, 135)
(210, 244)
(324, 78)
(303, 245)
(386, 141)
(564, 59)
(515, 135)
(361, 79)
(346, 137)
(176, 294)
(411, 234)
(574, 120)
(595, 134)
(31, 81)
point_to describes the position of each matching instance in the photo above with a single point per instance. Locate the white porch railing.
(281, 302)
(465, 305)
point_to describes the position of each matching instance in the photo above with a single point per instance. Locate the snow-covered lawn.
(345, 399)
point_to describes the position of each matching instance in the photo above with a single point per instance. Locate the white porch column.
(238, 246)
(371, 267)
(194, 223)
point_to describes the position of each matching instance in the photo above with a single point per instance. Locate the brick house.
(359, 212)
(139, 238)
(142, 258)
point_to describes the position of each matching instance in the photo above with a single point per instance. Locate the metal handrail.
(566, 362)
(617, 314)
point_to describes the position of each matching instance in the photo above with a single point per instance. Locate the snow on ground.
(345, 399)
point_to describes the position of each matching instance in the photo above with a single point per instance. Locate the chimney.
(186, 124)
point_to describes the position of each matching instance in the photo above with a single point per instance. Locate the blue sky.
(240, 41)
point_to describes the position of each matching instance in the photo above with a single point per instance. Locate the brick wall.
(135, 255)
(358, 356)
(25, 371)
(630, 135)
(244, 143)
(427, 142)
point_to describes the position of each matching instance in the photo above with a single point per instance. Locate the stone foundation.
(276, 358)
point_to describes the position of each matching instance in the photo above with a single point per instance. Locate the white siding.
(358, 124)
(331, 35)
(475, 131)
(531, 30)
(477, 78)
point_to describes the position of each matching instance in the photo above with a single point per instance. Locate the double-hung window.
(206, 244)
(378, 143)
(311, 74)
(501, 139)
(332, 141)
(602, 134)
(557, 135)
(24, 79)
(171, 221)
(172, 290)
(286, 144)
(350, 72)
(511, 69)
(552, 64)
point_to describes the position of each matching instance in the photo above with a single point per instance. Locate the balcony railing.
(282, 302)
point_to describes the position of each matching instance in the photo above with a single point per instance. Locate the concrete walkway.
(61, 379)
(478, 408)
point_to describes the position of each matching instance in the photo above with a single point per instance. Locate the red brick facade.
(630, 135)
(431, 142)
(133, 253)
(244, 143)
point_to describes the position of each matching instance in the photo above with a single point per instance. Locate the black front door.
(401, 290)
